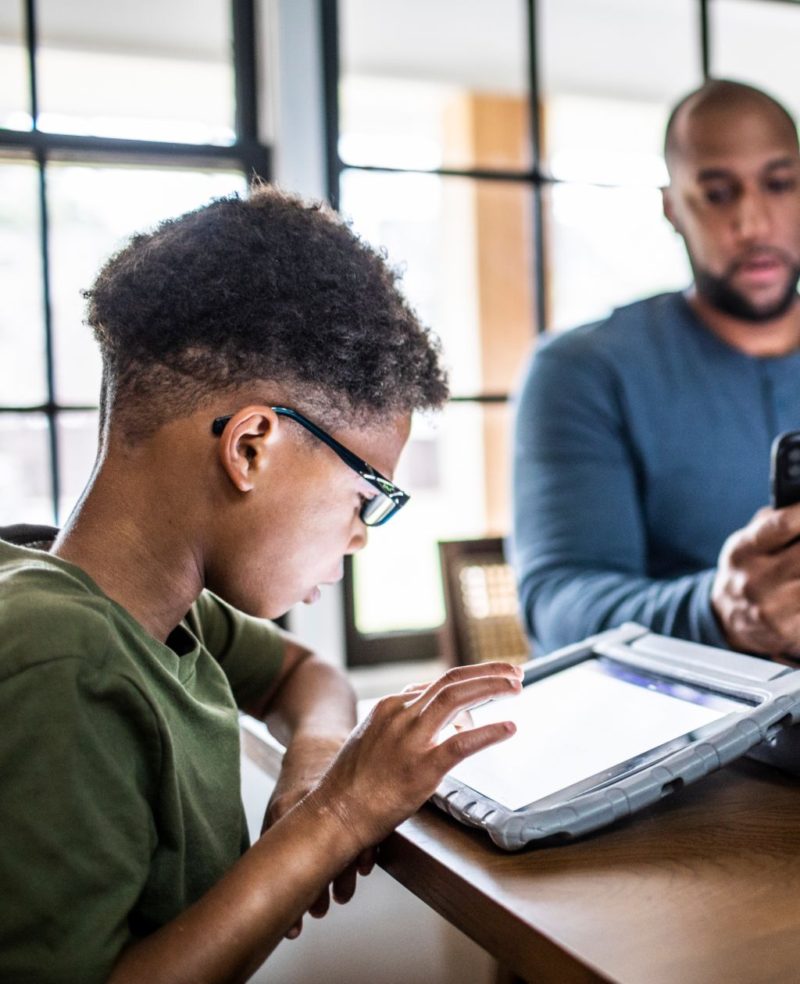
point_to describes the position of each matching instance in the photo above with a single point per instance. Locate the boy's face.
(290, 532)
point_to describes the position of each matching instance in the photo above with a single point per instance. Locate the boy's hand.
(394, 760)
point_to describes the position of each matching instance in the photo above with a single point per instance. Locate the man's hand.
(305, 762)
(756, 592)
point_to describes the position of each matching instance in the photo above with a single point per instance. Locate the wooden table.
(703, 887)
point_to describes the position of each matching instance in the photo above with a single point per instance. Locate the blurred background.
(506, 155)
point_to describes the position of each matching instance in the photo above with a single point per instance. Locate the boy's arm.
(308, 703)
(388, 767)
(311, 709)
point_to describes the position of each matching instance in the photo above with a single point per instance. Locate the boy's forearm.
(314, 713)
(316, 701)
(225, 936)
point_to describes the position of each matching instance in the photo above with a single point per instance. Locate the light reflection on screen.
(581, 722)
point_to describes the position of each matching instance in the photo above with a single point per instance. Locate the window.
(509, 159)
(111, 119)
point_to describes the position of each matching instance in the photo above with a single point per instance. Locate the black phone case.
(785, 469)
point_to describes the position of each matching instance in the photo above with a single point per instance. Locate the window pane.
(93, 211)
(77, 445)
(147, 70)
(456, 467)
(14, 84)
(609, 246)
(757, 42)
(425, 85)
(610, 71)
(465, 247)
(25, 492)
(22, 337)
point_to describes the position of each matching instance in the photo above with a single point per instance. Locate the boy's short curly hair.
(264, 288)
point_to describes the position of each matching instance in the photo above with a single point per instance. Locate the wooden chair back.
(482, 615)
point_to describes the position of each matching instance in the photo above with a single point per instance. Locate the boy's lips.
(312, 596)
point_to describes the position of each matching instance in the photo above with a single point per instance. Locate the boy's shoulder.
(48, 610)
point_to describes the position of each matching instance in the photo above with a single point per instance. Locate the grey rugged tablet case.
(759, 730)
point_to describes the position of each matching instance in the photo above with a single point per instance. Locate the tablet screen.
(586, 726)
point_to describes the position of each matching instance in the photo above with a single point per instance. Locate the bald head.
(722, 105)
(734, 197)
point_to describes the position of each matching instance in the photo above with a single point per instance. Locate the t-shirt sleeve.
(249, 650)
(79, 757)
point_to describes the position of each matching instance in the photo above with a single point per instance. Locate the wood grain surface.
(703, 887)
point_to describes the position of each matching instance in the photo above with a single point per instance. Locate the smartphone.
(785, 469)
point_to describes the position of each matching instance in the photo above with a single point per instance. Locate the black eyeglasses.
(375, 511)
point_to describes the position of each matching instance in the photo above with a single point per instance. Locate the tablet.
(611, 725)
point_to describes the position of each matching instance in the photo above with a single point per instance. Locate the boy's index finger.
(452, 699)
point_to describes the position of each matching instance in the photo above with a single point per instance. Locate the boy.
(256, 355)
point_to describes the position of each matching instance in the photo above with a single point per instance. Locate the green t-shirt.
(120, 801)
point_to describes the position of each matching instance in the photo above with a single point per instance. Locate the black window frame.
(248, 153)
(369, 649)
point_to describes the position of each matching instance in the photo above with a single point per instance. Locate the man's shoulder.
(47, 612)
(625, 332)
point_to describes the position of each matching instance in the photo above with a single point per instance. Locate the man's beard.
(722, 295)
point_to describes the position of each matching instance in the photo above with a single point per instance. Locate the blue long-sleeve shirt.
(641, 443)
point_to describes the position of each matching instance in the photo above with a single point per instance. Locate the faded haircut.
(263, 288)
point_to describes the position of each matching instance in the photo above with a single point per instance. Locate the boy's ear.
(245, 443)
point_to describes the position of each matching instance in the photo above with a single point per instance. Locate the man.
(256, 356)
(642, 442)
